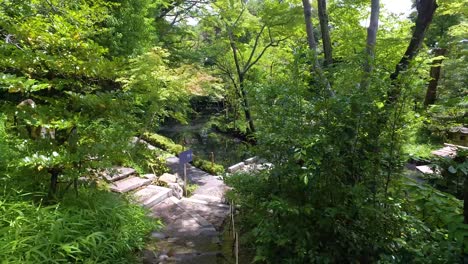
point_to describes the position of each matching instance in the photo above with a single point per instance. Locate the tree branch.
(254, 48)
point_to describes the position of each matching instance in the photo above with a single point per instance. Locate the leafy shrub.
(169, 145)
(418, 224)
(144, 160)
(207, 166)
(96, 227)
(163, 142)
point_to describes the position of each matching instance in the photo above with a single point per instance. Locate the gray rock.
(158, 235)
(118, 173)
(149, 176)
(177, 190)
(251, 160)
(168, 178)
(236, 167)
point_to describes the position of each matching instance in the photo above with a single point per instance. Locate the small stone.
(163, 257)
(189, 244)
(177, 191)
(250, 160)
(150, 176)
(168, 178)
(158, 235)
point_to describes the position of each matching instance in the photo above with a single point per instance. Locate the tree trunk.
(431, 93)
(313, 47)
(309, 28)
(426, 10)
(370, 42)
(465, 200)
(245, 103)
(323, 17)
(54, 173)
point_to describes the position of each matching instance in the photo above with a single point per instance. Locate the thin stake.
(237, 248)
(185, 179)
(212, 160)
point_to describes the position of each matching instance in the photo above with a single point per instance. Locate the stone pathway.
(192, 225)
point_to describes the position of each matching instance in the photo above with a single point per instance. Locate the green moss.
(208, 166)
(163, 142)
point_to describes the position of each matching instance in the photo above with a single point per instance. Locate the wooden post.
(232, 217)
(185, 179)
(237, 248)
(212, 160)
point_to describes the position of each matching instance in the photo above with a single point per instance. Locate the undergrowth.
(95, 227)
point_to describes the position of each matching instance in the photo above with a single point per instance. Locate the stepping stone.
(215, 215)
(425, 169)
(118, 173)
(129, 184)
(208, 200)
(250, 160)
(236, 167)
(151, 195)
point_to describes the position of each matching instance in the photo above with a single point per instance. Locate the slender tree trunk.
(54, 173)
(246, 106)
(243, 93)
(313, 47)
(309, 28)
(431, 93)
(426, 10)
(326, 42)
(370, 42)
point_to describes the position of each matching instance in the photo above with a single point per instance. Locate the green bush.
(96, 227)
(163, 142)
(169, 145)
(207, 166)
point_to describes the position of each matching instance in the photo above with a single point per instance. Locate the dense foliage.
(339, 120)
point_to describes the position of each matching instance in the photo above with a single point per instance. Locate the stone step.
(129, 184)
(214, 214)
(118, 173)
(151, 195)
(208, 200)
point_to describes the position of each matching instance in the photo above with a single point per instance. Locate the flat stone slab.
(118, 173)
(205, 199)
(447, 152)
(425, 169)
(250, 160)
(128, 184)
(236, 167)
(152, 195)
(212, 213)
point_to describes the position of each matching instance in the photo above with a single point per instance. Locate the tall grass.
(95, 227)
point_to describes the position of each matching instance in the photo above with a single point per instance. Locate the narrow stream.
(205, 141)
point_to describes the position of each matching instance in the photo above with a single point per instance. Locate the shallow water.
(206, 142)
